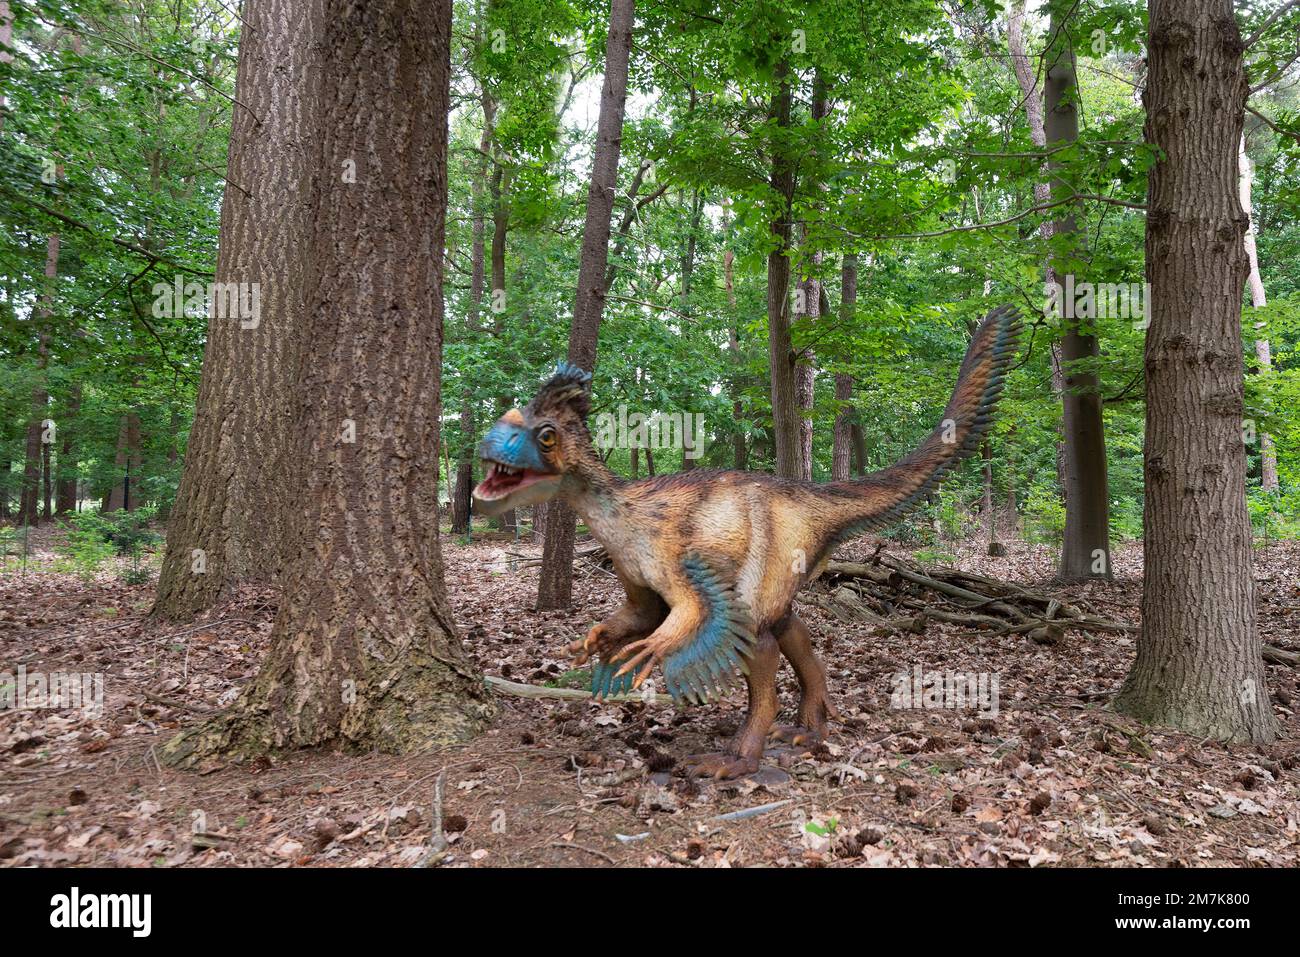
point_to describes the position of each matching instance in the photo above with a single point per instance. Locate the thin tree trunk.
(464, 487)
(843, 431)
(463, 492)
(29, 506)
(47, 482)
(364, 651)
(813, 299)
(555, 587)
(740, 449)
(65, 501)
(1199, 664)
(241, 481)
(688, 270)
(1027, 80)
(1085, 549)
(780, 351)
(500, 184)
(1263, 350)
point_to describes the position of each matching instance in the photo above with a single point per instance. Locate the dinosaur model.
(711, 561)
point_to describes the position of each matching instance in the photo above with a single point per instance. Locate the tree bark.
(125, 493)
(843, 430)
(29, 505)
(740, 450)
(1258, 300)
(1085, 549)
(780, 351)
(813, 299)
(555, 587)
(364, 652)
(1199, 664)
(464, 487)
(500, 230)
(241, 479)
(66, 496)
(1027, 80)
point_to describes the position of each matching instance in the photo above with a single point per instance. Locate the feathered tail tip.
(893, 492)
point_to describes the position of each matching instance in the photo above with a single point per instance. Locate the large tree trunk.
(555, 588)
(364, 652)
(241, 479)
(1263, 349)
(1199, 664)
(780, 351)
(843, 431)
(1085, 549)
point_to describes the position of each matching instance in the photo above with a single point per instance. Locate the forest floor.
(1052, 779)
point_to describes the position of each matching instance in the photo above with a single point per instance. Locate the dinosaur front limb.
(677, 629)
(746, 749)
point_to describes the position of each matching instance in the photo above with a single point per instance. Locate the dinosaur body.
(711, 561)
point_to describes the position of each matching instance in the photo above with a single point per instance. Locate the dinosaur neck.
(591, 488)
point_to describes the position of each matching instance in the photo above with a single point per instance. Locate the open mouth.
(503, 480)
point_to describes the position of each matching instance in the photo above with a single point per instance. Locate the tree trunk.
(241, 480)
(1199, 664)
(124, 493)
(65, 502)
(29, 505)
(1027, 80)
(780, 351)
(843, 432)
(1085, 549)
(364, 651)
(740, 451)
(500, 228)
(462, 493)
(1263, 349)
(809, 297)
(555, 587)
(813, 299)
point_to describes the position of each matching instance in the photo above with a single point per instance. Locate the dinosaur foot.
(796, 734)
(719, 765)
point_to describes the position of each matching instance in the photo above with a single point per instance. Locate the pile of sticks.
(898, 597)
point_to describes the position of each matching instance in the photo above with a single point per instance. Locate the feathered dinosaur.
(711, 561)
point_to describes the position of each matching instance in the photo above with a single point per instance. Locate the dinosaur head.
(529, 451)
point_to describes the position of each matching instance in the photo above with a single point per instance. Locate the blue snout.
(512, 445)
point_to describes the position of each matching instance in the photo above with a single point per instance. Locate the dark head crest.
(569, 386)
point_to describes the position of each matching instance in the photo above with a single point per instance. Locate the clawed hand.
(634, 653)
(596, 642)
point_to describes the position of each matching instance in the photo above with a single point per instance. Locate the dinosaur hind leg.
(815, 707)
(746, 750)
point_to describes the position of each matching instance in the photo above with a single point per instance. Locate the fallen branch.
(949, 595)
(567, 694)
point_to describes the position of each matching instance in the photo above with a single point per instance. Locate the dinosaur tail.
(882, 498)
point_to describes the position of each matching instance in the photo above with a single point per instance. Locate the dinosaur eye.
(546, 438)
